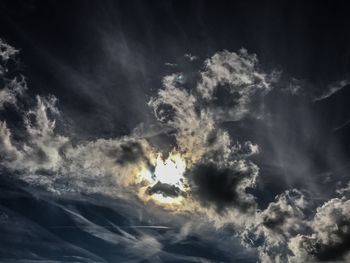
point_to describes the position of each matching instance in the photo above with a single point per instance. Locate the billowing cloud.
(11, 85)
(273, 227)
(235, 78)
(193, 112)
(238, 70)
(329, 240)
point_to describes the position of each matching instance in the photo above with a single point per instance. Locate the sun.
(166, 183)
(171, 170)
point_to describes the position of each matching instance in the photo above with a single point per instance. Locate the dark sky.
(308, 39)
(67, 45)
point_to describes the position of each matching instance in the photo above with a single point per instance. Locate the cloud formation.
(12, 86)
(221, 173)
(329, 239)
(225, 186)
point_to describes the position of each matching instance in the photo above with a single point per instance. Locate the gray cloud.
(332, 89)
(224, 186)
(7, 52)
(164, 189)
(330, 235)
(193, 111)
(11, 85)
(273, 227)
(239, 77)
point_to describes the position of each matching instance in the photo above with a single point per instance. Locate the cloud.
(136, 242)
(246, 149)
(218, 170)
(291, 86)
(344, 191)
(221, 173)
(41, 149)
(11, 90)
(24, 240)
(332, 89)
(7, 52)
(11, 85)
(238, 70)
(239, 77)
(49, 159)
(344, 124)
(129, 152)
(44, 157)
(193, 126)
(164, 189)
(224, 186)
(142, 246)
(330, 235)
(273, 227)
(193, 112)
(286, 231)
(172, 65)
(8, 152)
(190, 57)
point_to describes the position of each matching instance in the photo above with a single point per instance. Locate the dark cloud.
(278, 213)
(221, 186)
(165, 113)
(164, 189)
(332, 252)
(128, 152)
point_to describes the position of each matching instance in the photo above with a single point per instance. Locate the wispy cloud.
(332, 89)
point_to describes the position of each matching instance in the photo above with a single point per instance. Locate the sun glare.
(169, 171)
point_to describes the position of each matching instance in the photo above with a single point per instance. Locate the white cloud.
(41, 149)
(6, 51)
(193, 125)
(239, 73)
(8, 152)
(193, 113)
(12, 89)
(12, 86)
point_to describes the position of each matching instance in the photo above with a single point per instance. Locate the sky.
(174, 131)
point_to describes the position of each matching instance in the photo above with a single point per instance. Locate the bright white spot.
(146, 175)
(167, 199)
(171, 170)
